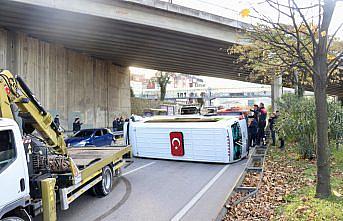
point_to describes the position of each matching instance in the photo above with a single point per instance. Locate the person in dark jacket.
(121, 124)
(252, 131)
(57, 121)
(115, 124)
(77, 125)
(272, 121)
(262, 117)
(256, 111)
(282, 141)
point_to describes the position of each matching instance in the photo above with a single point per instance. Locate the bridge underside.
(127, 43)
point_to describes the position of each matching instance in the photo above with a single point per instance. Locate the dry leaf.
(336, 193)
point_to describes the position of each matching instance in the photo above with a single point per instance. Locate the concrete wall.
(138, 105)
(68, 82)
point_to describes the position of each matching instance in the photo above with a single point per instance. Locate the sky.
(231, 9)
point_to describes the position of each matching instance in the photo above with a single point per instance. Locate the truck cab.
(15, 191)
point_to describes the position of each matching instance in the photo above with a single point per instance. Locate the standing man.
(77, 125)
(272, 121)
(115, 124)
(262, 117)
(256, 111)
(282, 141)
(121, 123)
(252, 131)
(57, 121)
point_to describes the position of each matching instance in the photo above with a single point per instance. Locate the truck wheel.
(104, 187)
(13, 218)
(17, 215)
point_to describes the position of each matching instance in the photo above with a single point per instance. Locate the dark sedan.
(91, 137)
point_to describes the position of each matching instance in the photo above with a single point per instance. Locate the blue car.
(91, 137)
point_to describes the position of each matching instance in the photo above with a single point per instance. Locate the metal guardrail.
(258, 155)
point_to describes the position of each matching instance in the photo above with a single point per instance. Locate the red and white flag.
(176, 143)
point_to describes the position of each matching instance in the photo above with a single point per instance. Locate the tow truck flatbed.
(92, 159)
(90, 162)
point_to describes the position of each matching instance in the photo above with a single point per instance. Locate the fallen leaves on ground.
(251, 179)
(280, 179)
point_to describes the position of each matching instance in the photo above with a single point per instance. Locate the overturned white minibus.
(204, 139)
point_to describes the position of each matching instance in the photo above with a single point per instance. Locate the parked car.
(149, 112)
(91, 137)
(190, 109)
(209, 111)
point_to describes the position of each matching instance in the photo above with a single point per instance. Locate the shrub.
(297, 123)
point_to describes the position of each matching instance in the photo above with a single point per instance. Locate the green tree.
(163, 79)
(304, 41)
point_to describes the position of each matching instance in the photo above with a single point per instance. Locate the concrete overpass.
(114, 34)
(148, 34)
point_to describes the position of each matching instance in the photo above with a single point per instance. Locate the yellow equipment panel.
(49, 199)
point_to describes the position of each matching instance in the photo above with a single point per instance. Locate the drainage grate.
(242, 191)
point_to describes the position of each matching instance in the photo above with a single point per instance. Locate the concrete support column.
(276, 90)
(66, 82)
(11, 52)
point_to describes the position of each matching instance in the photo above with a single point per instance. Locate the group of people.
(257, 125)
(76, 124)
(118, 123)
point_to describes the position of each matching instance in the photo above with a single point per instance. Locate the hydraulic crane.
(34, 116)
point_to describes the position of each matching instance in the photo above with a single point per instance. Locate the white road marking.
(197, 197)
(138, 168)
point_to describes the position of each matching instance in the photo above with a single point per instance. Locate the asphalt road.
(160, 190)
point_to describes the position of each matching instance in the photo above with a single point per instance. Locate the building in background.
(189, 89)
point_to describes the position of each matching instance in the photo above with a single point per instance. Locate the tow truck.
(37, 171)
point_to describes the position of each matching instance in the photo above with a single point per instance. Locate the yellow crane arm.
(13, 90)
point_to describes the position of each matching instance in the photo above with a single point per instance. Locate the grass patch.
(302, 205)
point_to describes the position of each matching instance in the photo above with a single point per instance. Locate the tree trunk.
(323, 188)
(300, 90)
(320, 64)
(163, 93)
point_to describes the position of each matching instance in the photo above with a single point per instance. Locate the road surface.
(160, 190)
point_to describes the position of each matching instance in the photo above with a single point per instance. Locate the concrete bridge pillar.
(276, 90)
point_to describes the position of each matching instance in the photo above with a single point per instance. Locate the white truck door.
(13, 167)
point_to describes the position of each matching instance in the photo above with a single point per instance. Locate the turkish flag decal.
(176, 144)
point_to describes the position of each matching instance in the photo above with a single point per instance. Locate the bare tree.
(304, 42)
(162, 78)
(266, 62)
